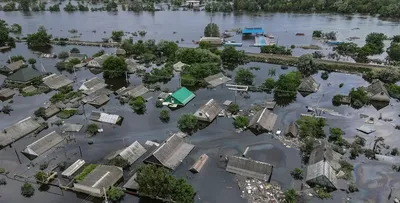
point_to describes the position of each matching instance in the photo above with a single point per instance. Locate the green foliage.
(41, 112)
(156, 181)
(5, 39)
(219, 6)
(193, 75)
(138, 105)
(335, 134)
(82, 7)
(159, 104)
(164, 115)
(311, 127)
(306, 65)
(325, 75)
(15, 28)
(63, 55)
(386, 75)
(6, 109)
(191, 56)
(352, 188)
(232, 58)
(233, 108)
(187, 123)
(204, 45)
(290, 196)
(244, 77)
(396, 39)
(64, 96)
(114, 67)
(27, 190)
(16, 58)
(118, 161)
(274, 49)
(347, 49)
(297, 174)
(117, 35)
(287, 84)
(394, 52)
(268, 84)
(341, 85)
(394, 152)
(211, 30)
(246, 5)
(92, 129)
(64, 114)
(2, 170)
(123, 7)
(111, 6)
(375, 41)
(347, 168)
(41, 177)
(54, 8)
(337, 100)
(75, 50)
(317, 34)
(115, 194)
(241, 122)
(99, 53)
(10, 6)
(89, 168)
(272, 72)
(70, 8)
(31, 61)
(159, 75)
(322, 193)
(39, 39)
(359, 97)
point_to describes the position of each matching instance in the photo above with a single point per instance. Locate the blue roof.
(253, 30)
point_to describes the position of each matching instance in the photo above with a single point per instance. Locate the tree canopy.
(138, 105)
(39, 39)
(232, 57)
(191, 56)
(244, 77)
(114, 67)
(211, 30)
(311, 127)
(115, 194)
(187, 123)
(27, 190)
(306, 65)
(287, 84)
(117, 35)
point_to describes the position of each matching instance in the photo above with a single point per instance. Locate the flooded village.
(185, 116)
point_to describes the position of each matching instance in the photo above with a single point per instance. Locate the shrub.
(27, 190)
(325, 75)
(233, 108)
(164, 115)
(159, 104)
(241, 122)
(341, 85)
(92, 129)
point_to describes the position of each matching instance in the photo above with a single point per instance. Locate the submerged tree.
(39, 39)
(138, 105)
(115, 194)
(211, 30)
(187, 123)
(114, 67)
(27, 190)
(306, 65)
(244, 77)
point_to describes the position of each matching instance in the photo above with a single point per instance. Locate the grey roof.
(163, 95)
(217, 79)
(377, 87)
(132, 152)
(270, 105)
(73, 168)
(170, 153)
(100, 60)
(13, 66)
(132, 184)
(96, 100)
(18, 130)
(103, 176)
(105, 117)
(324, 152)
(133, 91)
(77, 55)
(308, 85)
(367, 129)
(179, 66)
(210, 110)
(69, 127)
(120, 52)
(292, 129)
(92, 85)
(133, 65)
(24, 75)
(54, 81)
(264, 119)
(43, 144)
(249, 168)
(51, 111)
(29, 89)
(321, 173)
(5, 93)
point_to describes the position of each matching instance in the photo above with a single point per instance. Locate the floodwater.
(218, 139)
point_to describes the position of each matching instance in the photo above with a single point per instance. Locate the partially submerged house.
(55, 81)
(216, 80)
(132, 91)
(292, 130)
(70, 127)
(321, 173)
(24, 76)
(80, 56)
(377, 92)
(50, 111)
(180, 97)
(105, 118)
(249, 168)
(99, 180)
(96, 100)
(73, 168)
(308, 85)
(209, 111)
(133, 65)
(324, 152)
(120, 52)
(6, 93)
(178, 67)
(29, 89)
(163, 95)
(92, 85)
(170, 153)
(212, 40)
(131, 153)
(263, 120)
(98, 61)
(18, 130)
(12, 67)
(131, 185)
(270, 105)
(42, 145)
(199, 164)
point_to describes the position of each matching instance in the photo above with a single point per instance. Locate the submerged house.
(292, 130)
(55, 81)
(180, 97)
(96, 100)
(6, 93)
(308, 85)
(178, 67)
(216, 80)
(209, 111)
(131, 185)
(105, 118)
(170, 153)
(73, 168)
(131, 153)
(263, 120)
(80, 56)
(18, 130)
(377, 92)
(249, 168)
(321, 173)
(132, 91)
(92, 85)
(98, 61)
(24, 76)
(12, 67)
(42, 145)
(325, 153)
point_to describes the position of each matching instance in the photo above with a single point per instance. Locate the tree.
(347, 49)
(290, 196)
(394, 152)
(15, 28)
(164, 115)
(394, 52)
(27, 190)
(191, 56)
(99, 53)
(311, 126)
(241, 122)
(370, 154)
(231, 57)
(138, 105)
(115, 194)
(92, 129)
(159, 104)
(41, 112)
(396, 39)
(31, 61)
(297, 174)
(24, 4)
(117, 35)
(244, 77)
(111, 6)
(204, 45)
(211, 30)
(268, 84)
(335, 134)
(167, 48)
(54, 8)
(359, 97)
(7, 109)
(287, 84)
(233, 108)
(324, 75)
(41, 177)
(308, 145)
(63, 55)
(306, 65)
(118, 161)
(156, 181)
(114, 67)
(187, 123)
(317, 33)
(39, 39)
(74, 51)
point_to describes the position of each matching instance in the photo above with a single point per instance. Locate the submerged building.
(180, 97)
(18, 130)
(249, 168)
(377, 91)
(263, 120)
(131, 153)
(308, 85)
(42, 145)
(209, 111)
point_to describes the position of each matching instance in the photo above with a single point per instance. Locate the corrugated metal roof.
(292, 130)
(309, 84)
(320, 170)
(73, 168)
(133, 91)
(13, 66)
(324, 152)
(104, 117)
(217, 79)
(249, 168)
(211, 110)
(264, 118)
(182, 96)
(132, 184)
(24, 75)
(377, 87)
(92, 85)
(43, 144)
(54, 81)
(6, 92)
(69, 127)
(18, 130)
(132, 152)
(96, 100)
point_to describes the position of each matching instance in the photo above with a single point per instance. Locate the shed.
(180, 97)
(217, 79)
(120, 52)
(55, 81)
(292, 130)
(209, 111)
(325, 153)
(132, 153)
(321, 173)
(132, 185)
(80, 56)
(51, 110)
(98, 61)
(270, 105)
(249, 168)
(170, 153)
(105, 117)
(252, 31)
(367, 129)
(263, 120)
(132, 91)
(199, 164)
(163, 95)
(92, 85)
(69, 127)
(377, 91)
(6, 93)
(12, 67)
(96, 100)
(308, 85)
(42, 145)
(17, 130)
(24, 76)
(29, 89)
(71, 170)
(178, 67)
(102, 177)
(227, 102)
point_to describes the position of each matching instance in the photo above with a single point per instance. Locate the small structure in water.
(42, 145)
(216, 80)
(179, 98)
(55, 81)
(252, 31)
(105, 118)
(6, 93)
(263, 120)
(73, 168)
(212, 40)
(178, 67)
(249, 168)
(209, 111)
(308, 85)
(131, 153)
(292, 130)
(199, 164)
(377, 91)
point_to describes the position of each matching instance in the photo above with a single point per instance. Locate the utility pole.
(18, 156)
(237, 88)
(80, 151)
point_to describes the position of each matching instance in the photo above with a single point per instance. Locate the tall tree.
(211, 30)
(114, 67)
(244, 77)
(232, 57)
(306, 65)
(39, 39)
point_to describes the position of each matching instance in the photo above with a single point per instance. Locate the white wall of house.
(87, 190)
(201, 116)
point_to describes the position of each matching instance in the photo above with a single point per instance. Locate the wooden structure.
(199, 164)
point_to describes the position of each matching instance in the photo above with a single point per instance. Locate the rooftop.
(92, 85)
(17, 131)
(133, 91)
(133, 152)
(105, 117)
(309, 84)
(43, 144)
(73, 168)
(96, 99)
(12, 66)
(217, 79)
(69, 127)
(249, 168)
(319, 170)
(292, 130)
(181, 96)
(54, 81)
(6, 93)
(325, 153)
(251, 30)
(209, 111)
(265, 119)
(132, 184)
(179, 66)
(24, 75)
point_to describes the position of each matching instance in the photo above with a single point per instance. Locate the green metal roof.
(183, 96)
(24, 75)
